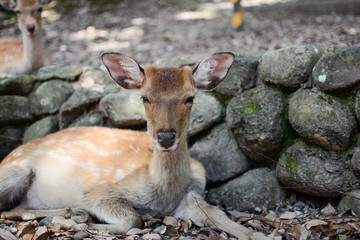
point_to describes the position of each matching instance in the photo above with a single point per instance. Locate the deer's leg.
(194, 207)
(25, 214)
(119, 215)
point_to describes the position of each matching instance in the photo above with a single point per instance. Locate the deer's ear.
(9, 5)
(212, 70)
(125, 71)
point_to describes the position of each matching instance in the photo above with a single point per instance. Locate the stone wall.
(284, 117)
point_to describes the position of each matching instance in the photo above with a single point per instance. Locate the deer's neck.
(170, 169)
(32, 50)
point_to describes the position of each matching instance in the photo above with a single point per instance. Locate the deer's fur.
(26, 55)
(114, 174)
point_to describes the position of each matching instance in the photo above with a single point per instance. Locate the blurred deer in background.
(26, 55)
(112, 173)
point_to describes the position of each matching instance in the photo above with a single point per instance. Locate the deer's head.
(168, 93)
(28, 12)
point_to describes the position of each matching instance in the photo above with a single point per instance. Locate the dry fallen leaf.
(42, 233)
(313, 223)
(151, 237)
(298, 232)
(137, 231)
(329, 210)
(171, 221)
(6, 235)
(272, 220)
(26, 228)
(185, 226)
(288, 216)
(255, 224)
(276, 235)
(214, 236)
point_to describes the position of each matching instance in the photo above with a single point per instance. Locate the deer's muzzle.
(166, 138)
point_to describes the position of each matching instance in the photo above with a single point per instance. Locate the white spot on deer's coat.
(18, 153)
(134, 148)
(117, 152)
(322, 78)
(94, 169)
(109, 170)
(119, 174)
(103, 153)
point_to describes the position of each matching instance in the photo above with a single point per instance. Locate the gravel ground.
(153, 29)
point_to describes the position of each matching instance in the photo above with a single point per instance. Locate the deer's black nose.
(167, 138)
(30, 28)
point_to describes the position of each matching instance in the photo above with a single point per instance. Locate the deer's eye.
(190, 100)
(145, 100)
(17, 12)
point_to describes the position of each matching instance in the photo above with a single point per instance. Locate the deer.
(26, 55)
(119, 175)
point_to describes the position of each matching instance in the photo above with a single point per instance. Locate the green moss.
(327, 99)
(250, 107)
(291, 163)
(308, 149)
(224, 99)
(358, 141)
(310, 173)
(8, 20)
(85, 111)
(346, 98)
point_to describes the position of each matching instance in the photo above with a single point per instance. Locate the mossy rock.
(256, 117)
(312, 170)
(321, 119)
(289, 67)
(338, 70)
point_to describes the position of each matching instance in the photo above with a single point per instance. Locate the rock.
(180, 61)
(49, 96)
(41, 128)
(22, 85)
(14, 109)
(339, 69)
(254, 188)
(240, 76)
(289, 67)
(98, 80)
(220, 155)
(355, 161)
(124, 109)
(312, 170)
(69, 73)
(10, 138)
(93, 118)
(350, 201)
(256, 117)
(78, 104)
(321, 119)
(205, 112)
(357, 106)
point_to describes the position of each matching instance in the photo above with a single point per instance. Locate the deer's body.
(117, 175)
(26, 55)
(58, 174)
